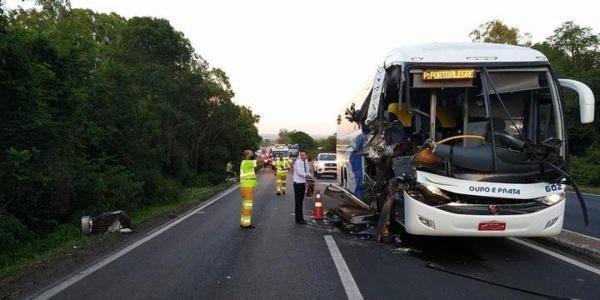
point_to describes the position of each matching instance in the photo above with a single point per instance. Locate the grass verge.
(67, 237)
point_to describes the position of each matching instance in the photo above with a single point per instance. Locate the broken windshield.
(461, 108)
(503, 122)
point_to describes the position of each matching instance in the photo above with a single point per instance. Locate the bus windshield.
(491, 121)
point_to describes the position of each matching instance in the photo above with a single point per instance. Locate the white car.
(325, 164)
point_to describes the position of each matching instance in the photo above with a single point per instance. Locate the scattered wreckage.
(457, 140)
(114, 221)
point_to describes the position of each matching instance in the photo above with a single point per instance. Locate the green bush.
(159, 189)
(12, 233)
(121, 190)
(197, 180)
(585, 168)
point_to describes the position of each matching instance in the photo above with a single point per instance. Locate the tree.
(266, 143)
(574, 40)
(283, 137)
(574, 53)
(305, 141)
(328, 144)
(495, 31)
(99, 112)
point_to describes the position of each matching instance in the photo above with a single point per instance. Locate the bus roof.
(462, 53)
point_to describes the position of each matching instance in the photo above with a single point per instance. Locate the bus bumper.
(422, 219)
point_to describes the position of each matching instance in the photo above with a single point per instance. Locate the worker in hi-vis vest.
(282, 165)
(247, 185)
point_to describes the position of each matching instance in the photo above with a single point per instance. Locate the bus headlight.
(436, 191)
(552, 199)
(434, 195)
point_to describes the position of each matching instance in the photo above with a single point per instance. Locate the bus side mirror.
(586, 99)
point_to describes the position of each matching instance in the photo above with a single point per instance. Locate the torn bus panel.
(470, 147)
(351, 211)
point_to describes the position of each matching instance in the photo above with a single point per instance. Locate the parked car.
(325, 164)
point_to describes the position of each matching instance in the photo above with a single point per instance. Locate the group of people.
(248, 183)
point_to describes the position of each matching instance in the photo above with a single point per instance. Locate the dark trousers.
(299, 199)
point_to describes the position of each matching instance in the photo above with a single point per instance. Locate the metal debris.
(115, 221)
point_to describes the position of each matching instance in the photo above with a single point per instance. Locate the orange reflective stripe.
(247, 193)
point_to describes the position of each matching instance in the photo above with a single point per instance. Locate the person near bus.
(301, 174)
(229, 173)
(282, 166)
(248, 184)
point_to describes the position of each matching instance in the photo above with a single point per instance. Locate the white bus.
(491, 162)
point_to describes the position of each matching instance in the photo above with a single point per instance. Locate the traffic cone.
(318, 212)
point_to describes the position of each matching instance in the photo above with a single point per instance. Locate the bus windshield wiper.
(564, 175)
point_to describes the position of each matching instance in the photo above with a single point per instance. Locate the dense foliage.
(306, 142)
(100, 112)
(574, 52)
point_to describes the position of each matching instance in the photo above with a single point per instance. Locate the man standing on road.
(247, 185)
(282, 165)
(301, 173)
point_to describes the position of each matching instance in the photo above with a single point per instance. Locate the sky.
(297, 64)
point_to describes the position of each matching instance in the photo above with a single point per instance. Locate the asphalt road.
(574, 216)
(207, 256)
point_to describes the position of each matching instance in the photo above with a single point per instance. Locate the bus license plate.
(492, 226)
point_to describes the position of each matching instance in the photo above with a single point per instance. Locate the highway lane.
(574, 216)
(497, 260)
(208, 256)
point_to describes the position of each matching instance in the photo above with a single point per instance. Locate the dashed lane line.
(352, 291)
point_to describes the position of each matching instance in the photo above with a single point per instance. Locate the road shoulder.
(575, 245)
(87, 253)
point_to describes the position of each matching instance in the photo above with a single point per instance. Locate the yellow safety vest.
(247, 174)
(282, 165)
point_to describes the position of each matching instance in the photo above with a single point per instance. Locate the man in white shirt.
(301, 173)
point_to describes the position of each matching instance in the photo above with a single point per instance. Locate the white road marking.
(582, 235)
(557, 255)
(81, 275)
(352, 291)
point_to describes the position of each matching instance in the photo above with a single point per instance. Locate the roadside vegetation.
(99, 112)
(306, 142)
(66, 239)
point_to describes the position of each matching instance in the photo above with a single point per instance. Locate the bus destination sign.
(448, 74)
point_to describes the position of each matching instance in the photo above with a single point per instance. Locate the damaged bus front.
(458, 140)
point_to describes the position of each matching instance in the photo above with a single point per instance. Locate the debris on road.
(406, 250)
(115, 221)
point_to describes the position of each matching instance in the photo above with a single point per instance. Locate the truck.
(325, 164)
(280, 150)
(458, 139)
(294, 150)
